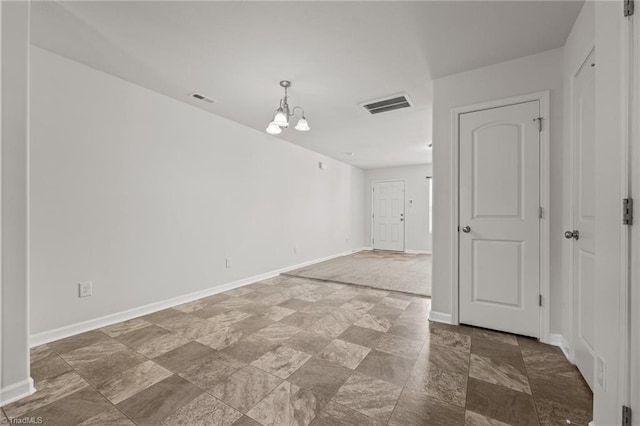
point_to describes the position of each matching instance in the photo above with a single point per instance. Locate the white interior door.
(584, 215)
(499, 259)
(388, 215)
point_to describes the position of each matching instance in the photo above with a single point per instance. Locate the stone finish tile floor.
(294, 351)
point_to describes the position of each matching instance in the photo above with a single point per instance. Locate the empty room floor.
(386, 270)
(294, 351)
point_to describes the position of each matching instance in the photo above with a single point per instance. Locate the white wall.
(525, 75)
(14, 347)
(418, 237)
(146, 196)
(611, 131)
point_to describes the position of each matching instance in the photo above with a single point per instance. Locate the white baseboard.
(406, 251)
(16, 391)
(93, 324)
(559, 341)
(440, 317)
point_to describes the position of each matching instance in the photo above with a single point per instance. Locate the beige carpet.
(409, 273)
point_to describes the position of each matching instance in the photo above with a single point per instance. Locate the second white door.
(584, 214)
(499, 218)
(388, 215)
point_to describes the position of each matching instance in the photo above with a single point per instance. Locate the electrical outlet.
(228, 262)
(85, 289)
(601, 370)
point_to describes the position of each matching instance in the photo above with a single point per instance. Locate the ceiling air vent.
(203, 98)
(387, 104)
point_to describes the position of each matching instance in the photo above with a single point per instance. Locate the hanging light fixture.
(282, 115)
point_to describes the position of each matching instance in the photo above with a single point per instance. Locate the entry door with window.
(584, 215)
(499, 206)
(388, 215)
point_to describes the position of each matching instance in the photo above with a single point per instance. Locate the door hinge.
(539, 120)
(627, 211)
(374, 189)
(539, 300)
(626, 416)
(540, 212)
(628, 7)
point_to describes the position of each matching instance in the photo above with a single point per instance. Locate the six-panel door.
(388, 215)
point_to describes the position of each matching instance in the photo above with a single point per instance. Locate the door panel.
(388, 215)
(499, 203)
(497, 273)
(586, 269)
(583, 199)
(496, 191)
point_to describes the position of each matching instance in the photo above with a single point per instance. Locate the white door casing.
(634, 304)
(499, 202)
(584, 214)
(388, 215)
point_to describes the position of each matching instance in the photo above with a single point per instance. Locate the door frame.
(633, 317)
(543, 97)
(630, 83)
(404, 222)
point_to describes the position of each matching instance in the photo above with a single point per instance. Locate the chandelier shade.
(273, 129)
(302, 125)
(280, 119)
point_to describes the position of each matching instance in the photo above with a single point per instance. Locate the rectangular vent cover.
(200, 97)
(388, 104)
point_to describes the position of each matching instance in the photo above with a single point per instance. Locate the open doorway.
(398, 206)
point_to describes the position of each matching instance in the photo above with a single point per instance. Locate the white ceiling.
(337, 54)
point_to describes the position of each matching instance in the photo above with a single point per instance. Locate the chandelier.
(283, 113)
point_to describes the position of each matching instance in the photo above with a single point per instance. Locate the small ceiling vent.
(203, 98)
(387, 104)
